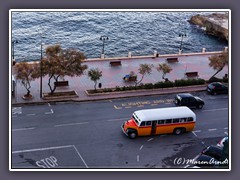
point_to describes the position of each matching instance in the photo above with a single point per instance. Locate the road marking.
(49, 104)
(141, 147)
(137, 158)
(215, 109)
(80, 156)
(22, 129)
(154, 104)
(226, 133)
(72, 124)
(14, 116)
(150, 139)
(17, 110)
(117, 107)
(128, 107)
(212, 129)
(41, 149)
(140, 106)
(49, 112)
(120, 119)
(225, 128)
(30, 114)
(168, 103)
(194, 133)
(197, 131)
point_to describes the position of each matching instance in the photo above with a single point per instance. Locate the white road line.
(212, 129)
(150, 139)
(117, 107)
(30, 114)
(49, 112)
(154, 104)
(225, 128)
(128, 107)
(22, 129)
(137, 158)
(41, 149)
(226, 133)
(80, 156)
(197, 131)
(121, 119)
(215, 109)
(71, 124)
(49, 104)
(140, 106)
(141, 147)
(194, 133)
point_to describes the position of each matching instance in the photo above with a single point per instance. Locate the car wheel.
(200, 106)
(132, 135)
(178, 131)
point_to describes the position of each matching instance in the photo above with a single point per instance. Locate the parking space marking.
(150, 139)
(70, 124)
(23, 129)
(80, 156)
(194, 133)
(212, 129)
(49, 112)
(137, 158)
(30, 114)
(141, 147)
(226, 133)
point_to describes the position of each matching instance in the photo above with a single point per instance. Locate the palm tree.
(143, 70)
(217, 62)
(95, 75)
(165, 68)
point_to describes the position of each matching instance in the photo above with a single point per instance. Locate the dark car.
(217, 88)
(213, 151)
(187, 99)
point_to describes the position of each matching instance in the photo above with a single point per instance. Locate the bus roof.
(164, 113)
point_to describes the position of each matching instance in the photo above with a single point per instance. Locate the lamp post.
(181, 35)
(13, 42)
(41, 70)
(103, 39)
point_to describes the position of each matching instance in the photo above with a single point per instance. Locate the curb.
(109, 98)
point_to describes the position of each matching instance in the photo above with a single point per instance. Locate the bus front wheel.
(178, 131)
(132, 135)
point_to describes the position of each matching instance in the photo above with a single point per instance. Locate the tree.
(27, 72)
(217, 62)
(143, 70)
(59, 62)
(165, 68)
(95, 75)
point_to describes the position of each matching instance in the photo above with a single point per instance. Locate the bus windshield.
(136, 119)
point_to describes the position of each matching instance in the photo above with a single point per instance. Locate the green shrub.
(148, 86)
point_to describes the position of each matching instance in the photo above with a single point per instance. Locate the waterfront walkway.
(112, 76)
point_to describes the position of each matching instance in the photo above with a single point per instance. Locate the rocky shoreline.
(215, 24)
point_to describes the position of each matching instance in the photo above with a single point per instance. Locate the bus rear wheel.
(178, 131)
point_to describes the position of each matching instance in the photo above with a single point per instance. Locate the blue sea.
(141, 33)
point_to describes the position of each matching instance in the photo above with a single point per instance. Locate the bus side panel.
(166, 129)
(144, 131)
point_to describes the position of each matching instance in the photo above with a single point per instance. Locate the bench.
(115, 63)
(61, 83)
(191, 74)
(171, 60)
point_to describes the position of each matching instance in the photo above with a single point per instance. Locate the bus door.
(154, 127)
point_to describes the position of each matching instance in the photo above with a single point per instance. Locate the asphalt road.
(88, 135)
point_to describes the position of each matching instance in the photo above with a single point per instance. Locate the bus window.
(189, 119)
(176, 120)
(149, 123)
(182, 120)
(168, 121)
(143, 123)
(160, 121)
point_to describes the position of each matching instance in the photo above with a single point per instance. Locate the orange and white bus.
(146, 122)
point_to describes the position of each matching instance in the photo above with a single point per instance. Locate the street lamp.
(41, 69)
(103, 39)
(13, 42)
(181, 35)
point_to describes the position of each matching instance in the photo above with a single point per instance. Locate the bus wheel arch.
(178, 131)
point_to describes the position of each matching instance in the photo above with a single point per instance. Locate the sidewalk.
(112, 77)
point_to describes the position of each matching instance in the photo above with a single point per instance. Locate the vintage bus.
(146, 122)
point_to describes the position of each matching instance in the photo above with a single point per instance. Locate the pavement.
(112, 76)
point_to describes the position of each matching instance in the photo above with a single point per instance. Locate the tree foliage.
(217, 62)
(143, 70)
(165, 68)
(27, 72)
(94, 75)
(60, 63)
